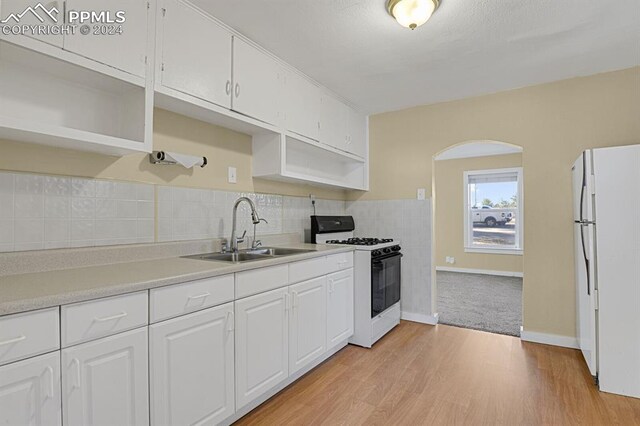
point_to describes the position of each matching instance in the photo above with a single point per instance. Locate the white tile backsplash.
(45, 212)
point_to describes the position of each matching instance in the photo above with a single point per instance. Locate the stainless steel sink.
(229, 257)
(276, 251)
(249, 255)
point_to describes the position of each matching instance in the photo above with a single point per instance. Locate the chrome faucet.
(254, 218)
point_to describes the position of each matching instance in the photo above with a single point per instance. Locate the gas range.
(377, 276)
(364, 243)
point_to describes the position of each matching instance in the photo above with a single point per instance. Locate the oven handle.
(378, 260)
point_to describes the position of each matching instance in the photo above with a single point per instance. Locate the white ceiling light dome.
(412, 13)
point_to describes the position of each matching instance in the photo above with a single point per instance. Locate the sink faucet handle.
(241, 238)
(263, 220)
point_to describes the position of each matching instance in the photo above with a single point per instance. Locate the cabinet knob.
(237, 90)
(228, 87)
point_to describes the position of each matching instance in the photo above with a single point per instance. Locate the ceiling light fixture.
(411, 13)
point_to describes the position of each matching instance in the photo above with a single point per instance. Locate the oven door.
(385, 283)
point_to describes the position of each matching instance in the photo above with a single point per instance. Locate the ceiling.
(468, 47)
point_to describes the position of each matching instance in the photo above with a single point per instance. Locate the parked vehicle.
(491, 216)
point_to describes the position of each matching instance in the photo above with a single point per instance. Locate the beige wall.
(449, 215)
(172, 132)
(553, 123)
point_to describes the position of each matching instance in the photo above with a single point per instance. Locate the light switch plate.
(422, 194)
(232, 175)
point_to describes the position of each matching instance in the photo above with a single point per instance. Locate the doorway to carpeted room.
(480, 302)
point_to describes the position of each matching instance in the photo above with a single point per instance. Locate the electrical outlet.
(233, 177)
(312, 198)
(450, 259)
(422, 194)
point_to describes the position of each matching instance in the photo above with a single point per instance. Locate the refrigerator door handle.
(584, 185)
(586, 259)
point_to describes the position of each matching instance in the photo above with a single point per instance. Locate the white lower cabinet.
(308, 323)
(192, 374)
(262, 344)
(339, 307)
(30, 391)
(105, 382)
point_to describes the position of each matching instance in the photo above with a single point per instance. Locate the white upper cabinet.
(105, 382)
(262, 344)
(195, 53)
(30, 392)
(339, 307)
(51, 12)
(303, 101)
(357, 136)
(333, 122)
(308, 325)
(192, 374)
(257, 83)
(120, 45)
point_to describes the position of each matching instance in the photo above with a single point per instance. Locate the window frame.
(469, 247)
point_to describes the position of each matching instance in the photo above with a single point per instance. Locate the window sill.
(494, 250)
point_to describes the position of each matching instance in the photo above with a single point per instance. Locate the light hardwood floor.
(420, 374)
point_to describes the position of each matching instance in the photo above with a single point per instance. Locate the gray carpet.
(481, 302)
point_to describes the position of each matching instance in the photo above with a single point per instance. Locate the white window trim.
(468, 242)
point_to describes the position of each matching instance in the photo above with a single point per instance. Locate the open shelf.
(180, 103)
(49, 101)
(287, 158)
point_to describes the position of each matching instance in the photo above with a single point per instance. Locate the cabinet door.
(308, 325)
(196, 54)
(257, 85)
(126, 51)
(339, 307)
(30, 391)
(357, 138)
(44, 13)
(261, 344)
(302, 106)
(333, 122)
(192, 377)
(105, 382)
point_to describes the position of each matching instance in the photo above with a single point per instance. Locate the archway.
(477, 246)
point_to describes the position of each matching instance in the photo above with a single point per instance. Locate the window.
(493, 211)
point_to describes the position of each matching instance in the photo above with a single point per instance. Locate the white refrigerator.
(606, 191)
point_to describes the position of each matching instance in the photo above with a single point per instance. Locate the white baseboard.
(549, 339)
(479, 271)
(422, 318)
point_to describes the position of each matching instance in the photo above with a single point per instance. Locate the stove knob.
(386, 250)
(395, 248)
(376, 253)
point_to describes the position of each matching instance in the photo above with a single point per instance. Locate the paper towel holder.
(159, 157)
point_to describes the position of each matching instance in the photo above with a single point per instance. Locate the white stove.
(377, 276)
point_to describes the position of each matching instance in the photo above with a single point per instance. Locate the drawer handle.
(76, 382)
(111, 318)
(14, 340)
(230, 321)
(49, 390)
(199, 296)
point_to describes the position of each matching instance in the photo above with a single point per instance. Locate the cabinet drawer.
(384, 322)
(180, 299)
(103, 317)
(336, 262)
(307, 269)
(28, 334)
(261, 280)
